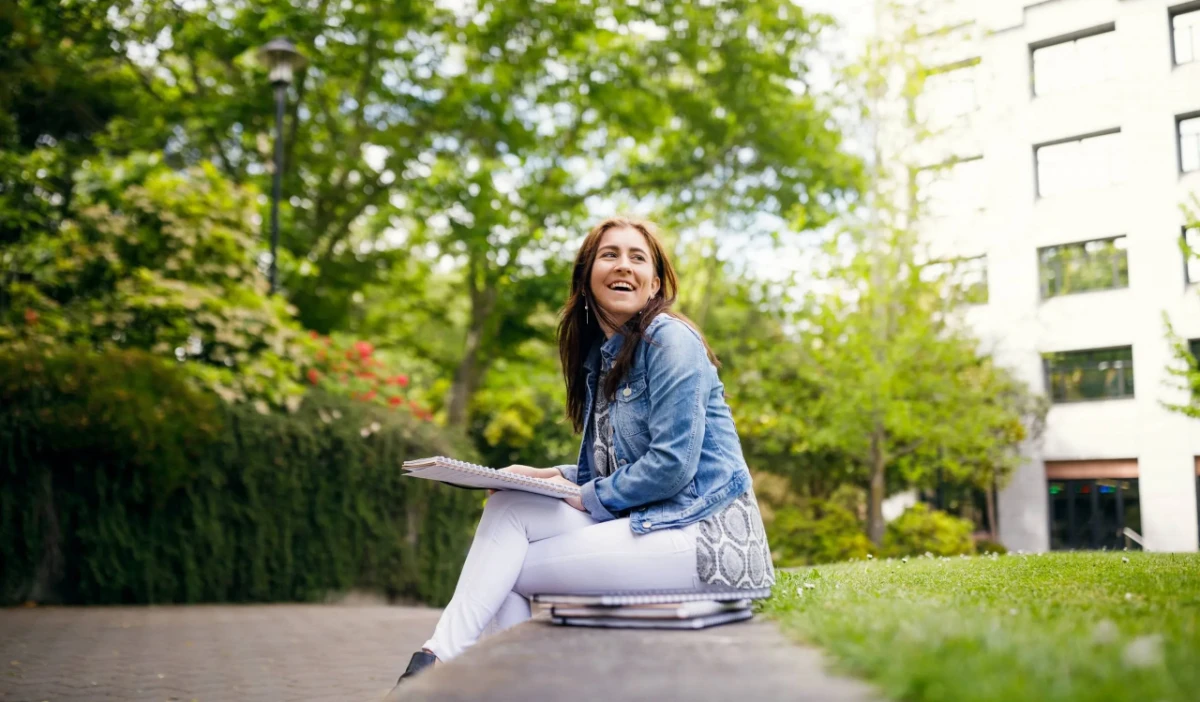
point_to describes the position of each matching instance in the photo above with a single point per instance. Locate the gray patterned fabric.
(731, 545)
(604, 457)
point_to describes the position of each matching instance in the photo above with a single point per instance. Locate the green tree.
(488, 133)
(901, 387)
(62, 83)
(1186, 362)
(160, 260)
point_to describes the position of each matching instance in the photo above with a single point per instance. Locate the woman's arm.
(554, 475)
(678, 383)
(569, 471)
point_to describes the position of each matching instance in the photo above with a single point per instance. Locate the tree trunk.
(875, 525)
(990, 495)
(466, 377)
(471, 368)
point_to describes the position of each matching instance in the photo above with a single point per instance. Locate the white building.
(1075, 129)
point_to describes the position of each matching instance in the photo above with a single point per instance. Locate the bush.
(123, 483)
(160, 260)
(817, 531)
(987, 546)
(920, 530)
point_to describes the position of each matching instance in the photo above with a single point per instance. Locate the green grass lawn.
(1069, 626)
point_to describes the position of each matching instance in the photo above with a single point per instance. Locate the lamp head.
(282, 60)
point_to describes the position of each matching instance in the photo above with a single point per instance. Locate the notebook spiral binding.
(484, 470)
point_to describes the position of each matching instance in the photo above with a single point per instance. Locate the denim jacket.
(679, 459)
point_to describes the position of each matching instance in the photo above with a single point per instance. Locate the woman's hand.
(543, 473)
(550, 474)
(576, 501)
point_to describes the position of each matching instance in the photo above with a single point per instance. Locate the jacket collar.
(606, 350)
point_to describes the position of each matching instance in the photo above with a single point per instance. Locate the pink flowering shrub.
(356, 371)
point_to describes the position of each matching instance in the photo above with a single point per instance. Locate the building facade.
(1066, 137)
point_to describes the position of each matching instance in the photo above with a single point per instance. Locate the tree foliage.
(901, 389)
(160, 260)
(482, 135)
(441, 162)
(1185, 366)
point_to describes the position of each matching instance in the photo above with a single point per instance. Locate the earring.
(586, 320)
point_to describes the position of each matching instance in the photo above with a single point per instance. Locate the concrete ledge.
(540, 661)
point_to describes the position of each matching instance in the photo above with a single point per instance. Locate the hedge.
(124, 484)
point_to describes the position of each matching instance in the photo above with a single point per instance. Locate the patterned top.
(604, 455)
(731, 545)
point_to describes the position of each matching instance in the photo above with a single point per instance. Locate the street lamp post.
(282, 58)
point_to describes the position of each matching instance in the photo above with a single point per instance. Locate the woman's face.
(623, 274)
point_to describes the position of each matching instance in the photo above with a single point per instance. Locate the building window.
(948, 95)
(1099, 374)
(1101, 264)
(1185, 33)
(1191, 254)
(1078, 164)
(967, 278)
(1083, 58)
(1093, 514)
(953, 188)
(1188, 129)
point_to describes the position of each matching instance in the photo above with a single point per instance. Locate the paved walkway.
(320, 652)
(207, 653)
(536, 661)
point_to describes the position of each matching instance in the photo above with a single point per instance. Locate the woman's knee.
(514, 505)
(510, 499)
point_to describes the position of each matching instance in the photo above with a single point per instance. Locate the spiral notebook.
(469, 475)
(701, 622)
(646, 597)
(673, 610)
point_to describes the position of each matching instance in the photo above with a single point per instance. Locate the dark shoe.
(419, 661)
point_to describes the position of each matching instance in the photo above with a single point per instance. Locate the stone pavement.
(323, 652)
(255, 653)
(744, 662)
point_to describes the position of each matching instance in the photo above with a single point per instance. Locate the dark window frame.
(1034, 47)
(1037, 177)
(1172, 13)
(1179, 120)
(1193, 347)
(1044, 293)
(1047, 362)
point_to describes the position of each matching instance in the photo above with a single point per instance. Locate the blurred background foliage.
(174, 433)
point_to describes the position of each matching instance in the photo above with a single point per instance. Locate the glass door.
(1091, 514)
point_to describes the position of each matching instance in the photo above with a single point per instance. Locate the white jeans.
(528, 544)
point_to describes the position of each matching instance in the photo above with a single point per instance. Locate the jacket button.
(621, 462)
(627, 391)
(645, 525)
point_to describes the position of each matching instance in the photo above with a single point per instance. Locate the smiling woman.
(623, 277)
(665, 495)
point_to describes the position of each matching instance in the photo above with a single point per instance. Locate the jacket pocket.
(633, 406)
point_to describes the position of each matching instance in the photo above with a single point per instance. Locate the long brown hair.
(578, 330)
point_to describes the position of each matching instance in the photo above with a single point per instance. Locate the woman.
(666, 495)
